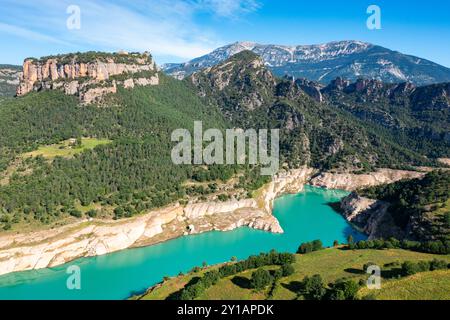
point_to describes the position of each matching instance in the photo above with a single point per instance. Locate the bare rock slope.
(88, 75)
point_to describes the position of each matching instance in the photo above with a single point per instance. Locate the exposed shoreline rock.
(370, 216)
(47, 249)
(84, 239)
(50, 248)
(351, 181)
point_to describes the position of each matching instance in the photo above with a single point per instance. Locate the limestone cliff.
(351, 181)
(88, 75)
(370, 216)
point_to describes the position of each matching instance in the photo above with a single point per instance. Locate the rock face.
(350, 181)
(46, 249)
(88, 75)
(225, 80)
(370, 216)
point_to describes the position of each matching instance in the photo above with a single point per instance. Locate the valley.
(86, 174)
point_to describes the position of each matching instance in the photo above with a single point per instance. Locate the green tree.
(261, 278)
(409, 268)
(287, 269)
(346, 289)
(313, 287)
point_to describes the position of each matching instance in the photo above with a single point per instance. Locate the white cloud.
(29, 34)
(164, 27)
(229, 8)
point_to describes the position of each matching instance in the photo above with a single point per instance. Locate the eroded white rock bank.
(91, 238)
(49, 248)
(351, 181)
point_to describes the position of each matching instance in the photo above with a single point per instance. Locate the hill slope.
(332, 265)
(311, 132)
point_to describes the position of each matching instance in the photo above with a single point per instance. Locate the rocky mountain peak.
(349, 59)
(243, 79)
(88, 75)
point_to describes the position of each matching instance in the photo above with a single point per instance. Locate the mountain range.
(9, 79)
(343, 126)
(325, 62)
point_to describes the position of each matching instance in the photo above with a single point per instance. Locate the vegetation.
(307, 247)
(331, 273)
(134, 172)
(90, 56)
(422, 205)
(66, 149)
(318, 134)
(260, 279)
(432, 285)
(435, 247)
(415, 117)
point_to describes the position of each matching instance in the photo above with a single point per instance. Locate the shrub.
(347, 289)
(438, 264)
(307, 247)
(287, 269)
(409, 268)
(75, 213)
(92, 213)
(261, 278)
(313, 287)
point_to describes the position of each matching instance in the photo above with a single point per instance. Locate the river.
(304, 217)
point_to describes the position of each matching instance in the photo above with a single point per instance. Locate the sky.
(179, 30)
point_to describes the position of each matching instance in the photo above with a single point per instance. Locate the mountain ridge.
(324, 62)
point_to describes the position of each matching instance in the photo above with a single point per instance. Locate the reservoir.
(304, 217)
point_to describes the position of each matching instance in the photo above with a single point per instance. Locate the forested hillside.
(418, 117)
(421, 207)
(131, 171)
(129, 175)
(312, 132)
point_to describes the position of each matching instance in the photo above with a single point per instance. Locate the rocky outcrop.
(225, 81)
(370, 216)
(291, 181)
(351, 181)
(311, 88)
(87, 75)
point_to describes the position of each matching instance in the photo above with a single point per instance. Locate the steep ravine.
(91, 238)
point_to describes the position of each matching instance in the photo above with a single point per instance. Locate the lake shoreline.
(37, 251)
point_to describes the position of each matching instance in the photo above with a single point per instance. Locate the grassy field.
(64, 149)
(433, 285)
(332, 264)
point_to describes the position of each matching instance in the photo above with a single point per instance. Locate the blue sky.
(178, 30)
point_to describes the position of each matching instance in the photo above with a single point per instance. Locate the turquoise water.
(304, 217)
